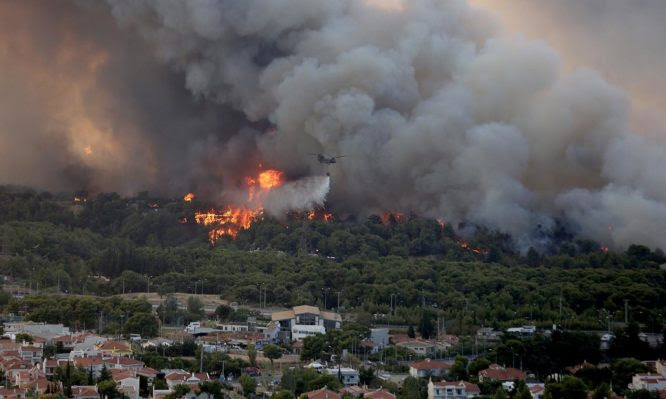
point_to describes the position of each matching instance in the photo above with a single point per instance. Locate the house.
(304, 321)
(495, 372)
(429, 368)
(85, 392)
(176, 377)
(323, 393)
(96, 364)
(648, 381)
(537, 390)
(228, 327)
(31, 354)
(271, 332)
(488, 335)
(157, 342)
(348, 375)
(123, 363)
(420, 347)
(661, 367)
(41, 385)
(48, 331)
(452, 390)
(114, 348)
(378, 394)
(127, 382)
(49, 366)
(13, 393)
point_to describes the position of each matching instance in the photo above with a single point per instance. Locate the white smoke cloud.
(434, 111)
(304, 194)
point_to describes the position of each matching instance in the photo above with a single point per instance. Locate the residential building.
(420, 347)
(304, 321)
(378, 394)
(648, 381)
(495, 372)
(488, 335)
(31, 354)
(48, 331)
(227, 327)
(452, 390)
(13, 393)
(114, 348)
(537, 390)
(429, 368)
(85, 392)
(348, 375)
(323, 393)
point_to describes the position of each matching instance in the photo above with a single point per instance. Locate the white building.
(43, 330)
(452, 390)
(349, 376)
(304, 321)
(648, 381)
(232, 327)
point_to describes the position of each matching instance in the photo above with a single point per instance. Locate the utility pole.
(337, 309)
(201, 359)
(626, 311)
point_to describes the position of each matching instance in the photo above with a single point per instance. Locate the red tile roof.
(323, 393)
(378, 394)
(85, 391)
(430, 364)
(498, 373)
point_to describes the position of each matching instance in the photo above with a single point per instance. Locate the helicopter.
(323, 159)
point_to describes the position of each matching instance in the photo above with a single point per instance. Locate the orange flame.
(232, 219)
(388, 216)
(189, 197)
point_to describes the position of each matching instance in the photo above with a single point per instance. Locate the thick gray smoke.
(435, 112)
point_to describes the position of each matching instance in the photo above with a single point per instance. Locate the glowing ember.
(392, 216)
(87, 150)
(320, 215)
(189, 197)
(232, 219)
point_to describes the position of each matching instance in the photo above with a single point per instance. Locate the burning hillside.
(266, 191)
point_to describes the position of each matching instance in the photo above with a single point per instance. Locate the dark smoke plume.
(436, 112)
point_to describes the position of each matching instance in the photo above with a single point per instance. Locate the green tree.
(478, 364)
(252, 355)
(272, 352)
(410, 332)
(601, 392)
(248, 384)
(144, 324)
(179, 391)
(23, 337)
(501, 394)
(195, 307)
(569, 388)
(223, 312)
(459, 368)
(313, 347)
(213, 388)
(426, 325)
(104, 374)
(108, 389)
